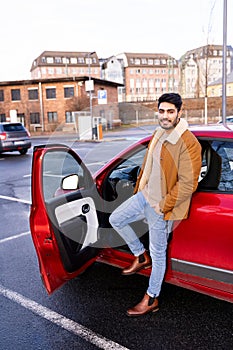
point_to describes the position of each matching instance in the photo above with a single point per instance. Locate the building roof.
(40, 61)
(58, 80)
(229, 79)
(203, 48)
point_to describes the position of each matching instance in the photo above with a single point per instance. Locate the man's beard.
(170, 126)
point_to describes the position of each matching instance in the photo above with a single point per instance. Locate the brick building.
(61, 64)
(148, 75)
(47, 104)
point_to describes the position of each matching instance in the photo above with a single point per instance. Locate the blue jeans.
(137, 208)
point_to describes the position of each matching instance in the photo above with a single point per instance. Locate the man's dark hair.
(173, 98)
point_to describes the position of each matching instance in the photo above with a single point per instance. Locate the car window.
(13, 127)
(217, 166)
(122, 179)
(225, 151)
(57, 165)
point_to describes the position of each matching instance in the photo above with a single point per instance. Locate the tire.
(23, 151)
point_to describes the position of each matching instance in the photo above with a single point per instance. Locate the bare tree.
(79, 103)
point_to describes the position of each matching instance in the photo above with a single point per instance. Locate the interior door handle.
(85, 208)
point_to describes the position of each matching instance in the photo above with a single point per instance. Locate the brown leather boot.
(142, 261)
(147, 304)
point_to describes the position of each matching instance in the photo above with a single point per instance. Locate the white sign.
(89, 85)
(102, 97)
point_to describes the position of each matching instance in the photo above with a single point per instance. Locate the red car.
(70, 210)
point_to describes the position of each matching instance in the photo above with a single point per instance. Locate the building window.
(15, 95)
(50, 60)
(88, 60)
(52, 117)
(50, 93)
(59, 70)
(1, 95)
(58, 60)
(34, 118)
(81, 60)
(69, 92)
(73, 60)
(65, 60)
(74, 71)
(69, 117)
(50, 71)
(33, 94)
(21, 118)
(2, 117)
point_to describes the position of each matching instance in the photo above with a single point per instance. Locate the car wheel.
(23, 151)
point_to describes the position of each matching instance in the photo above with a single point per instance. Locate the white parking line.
(61, 321)
(14, 237)
(15, 199)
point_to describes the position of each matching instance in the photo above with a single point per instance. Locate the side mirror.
(70, 182)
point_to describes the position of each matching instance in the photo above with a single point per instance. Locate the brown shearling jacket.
(180, 162)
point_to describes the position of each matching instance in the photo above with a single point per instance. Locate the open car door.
(64, 221)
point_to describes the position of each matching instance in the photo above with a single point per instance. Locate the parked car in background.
(14, 137)
(70, 211)
(229, 119)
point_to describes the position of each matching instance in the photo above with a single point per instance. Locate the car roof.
(213, 130)
(218, 131)
(9, 123)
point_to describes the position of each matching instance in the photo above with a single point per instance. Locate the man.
(163, 192)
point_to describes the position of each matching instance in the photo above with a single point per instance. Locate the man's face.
(168, 115)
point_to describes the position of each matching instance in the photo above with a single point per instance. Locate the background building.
(47, 104)
(148, 75)
(129, 82)
(61, 64)
(215, 88)
(202, 66)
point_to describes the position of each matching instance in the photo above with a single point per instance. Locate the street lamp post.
(90, 89)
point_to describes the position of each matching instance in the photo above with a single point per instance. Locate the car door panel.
(202, 245)
(75, 224)
(64, 225)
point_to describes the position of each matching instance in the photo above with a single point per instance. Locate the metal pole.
(224, 62)
(90, 92)
(41, 106)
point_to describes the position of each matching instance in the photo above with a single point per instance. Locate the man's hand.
(157, 209)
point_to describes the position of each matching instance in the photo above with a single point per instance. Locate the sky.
(108, 27)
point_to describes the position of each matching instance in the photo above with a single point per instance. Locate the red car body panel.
(200, 253)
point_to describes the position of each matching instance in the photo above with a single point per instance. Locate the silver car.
(14, 137)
